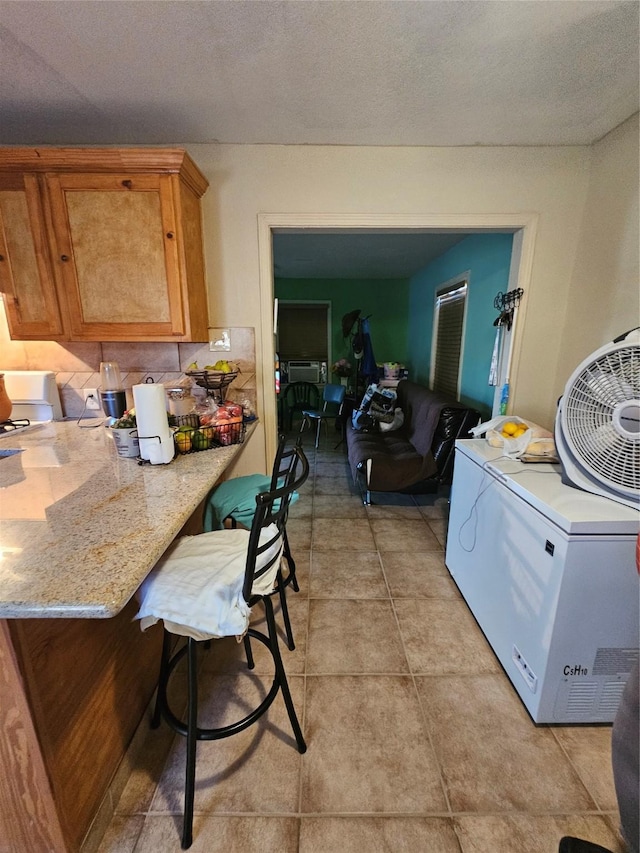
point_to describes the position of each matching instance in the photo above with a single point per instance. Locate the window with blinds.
(302, 331)
(447, 339)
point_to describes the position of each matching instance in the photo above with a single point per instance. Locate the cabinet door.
(118, 255)
(26, 275)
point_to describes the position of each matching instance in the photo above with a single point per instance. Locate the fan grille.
(588, 422)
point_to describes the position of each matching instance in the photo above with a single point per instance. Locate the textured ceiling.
(345, 72)
(341, 72)
(362, 255)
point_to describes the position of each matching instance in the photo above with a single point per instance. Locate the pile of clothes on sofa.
(378, 411)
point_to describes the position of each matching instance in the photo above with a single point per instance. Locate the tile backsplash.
(77, 365)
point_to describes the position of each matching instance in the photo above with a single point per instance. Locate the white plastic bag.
(516, 446)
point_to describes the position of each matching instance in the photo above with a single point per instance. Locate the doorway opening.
(521, 226)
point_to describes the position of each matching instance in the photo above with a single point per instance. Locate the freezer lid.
(571, 509)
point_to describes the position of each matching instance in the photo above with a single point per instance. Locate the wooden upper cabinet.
(26, 274)
(123, 250)
(118, 255)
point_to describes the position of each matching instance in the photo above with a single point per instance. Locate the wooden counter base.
(87, 684)
(76, 671)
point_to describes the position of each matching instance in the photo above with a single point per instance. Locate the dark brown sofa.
(418, 457)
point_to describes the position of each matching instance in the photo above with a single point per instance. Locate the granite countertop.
(81, 527)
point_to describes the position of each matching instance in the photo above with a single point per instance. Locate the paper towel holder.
(142, 461)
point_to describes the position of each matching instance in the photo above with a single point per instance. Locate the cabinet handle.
(170, 235)
(127, 184)
(64, 257)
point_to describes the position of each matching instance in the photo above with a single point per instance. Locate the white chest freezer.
(549, 574)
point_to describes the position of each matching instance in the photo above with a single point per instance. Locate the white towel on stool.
(196, 587)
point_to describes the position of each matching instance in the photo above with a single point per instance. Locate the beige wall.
(584, 277)
(551, 182)
(604, 294)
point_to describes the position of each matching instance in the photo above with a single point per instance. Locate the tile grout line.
(576, 770)
(451, 816)
(423, 713)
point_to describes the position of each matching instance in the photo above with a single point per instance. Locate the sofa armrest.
(454, 422)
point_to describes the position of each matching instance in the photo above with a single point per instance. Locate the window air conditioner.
(304, 371)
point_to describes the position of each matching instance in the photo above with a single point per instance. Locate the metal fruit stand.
(194, 434)
(215, 382)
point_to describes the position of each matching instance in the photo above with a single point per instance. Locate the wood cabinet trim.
(7, 284)
(105, 160)
(176, 275)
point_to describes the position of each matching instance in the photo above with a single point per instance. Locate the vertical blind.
(302, 332)
(450, 305)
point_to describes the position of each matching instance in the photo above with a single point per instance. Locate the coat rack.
(507, 304)
(366, 370)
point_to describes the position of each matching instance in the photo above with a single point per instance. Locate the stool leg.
(291, 579)
(285, 611)
(247, 650)
(162, 680)
(282, 677)
(192, 740)
(290, 561)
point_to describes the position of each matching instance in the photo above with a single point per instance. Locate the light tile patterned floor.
(417, 741)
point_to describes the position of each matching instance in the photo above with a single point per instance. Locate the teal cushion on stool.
(237, 498)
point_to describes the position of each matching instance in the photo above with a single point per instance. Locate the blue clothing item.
(369, 366)
(236, 498)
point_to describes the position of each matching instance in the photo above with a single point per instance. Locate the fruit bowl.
(213, 381)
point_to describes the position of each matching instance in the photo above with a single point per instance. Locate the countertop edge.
(99, 600)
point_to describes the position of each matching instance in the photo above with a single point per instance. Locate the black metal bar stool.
(178, 591)
(234, 501)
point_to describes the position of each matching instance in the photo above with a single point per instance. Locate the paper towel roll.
(156, 441)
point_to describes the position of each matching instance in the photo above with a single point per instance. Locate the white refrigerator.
(549, 574)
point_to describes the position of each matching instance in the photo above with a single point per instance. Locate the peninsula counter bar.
(80, 529)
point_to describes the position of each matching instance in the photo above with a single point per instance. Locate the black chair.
(234, 501)
(298, 396)
(263, 544)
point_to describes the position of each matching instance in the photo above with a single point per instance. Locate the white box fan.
(597, 430)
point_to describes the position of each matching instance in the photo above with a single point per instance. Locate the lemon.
(520, 431)
(183, 441)
(509, 428)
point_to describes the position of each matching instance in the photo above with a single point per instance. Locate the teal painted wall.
(402, 311)
(385, 300)
(487, 257)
